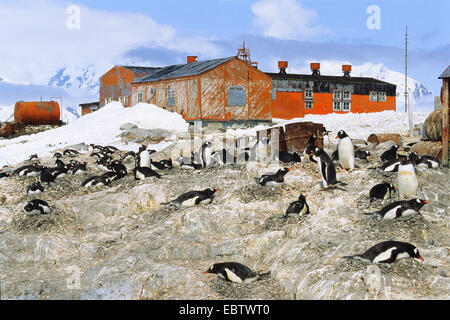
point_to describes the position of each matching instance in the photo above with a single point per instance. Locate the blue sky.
(36, 42)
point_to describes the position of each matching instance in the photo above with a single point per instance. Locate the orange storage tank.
(43, 112)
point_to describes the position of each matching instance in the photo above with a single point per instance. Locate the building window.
(121, 83)
(309, 93)
(108, 100)
(346, 95)
(337, 95)
(345, 106)
(125, 100)
(152, 91)
(274, 94)
(373, 96)
(170, 98)
(382, 96)
(308, 104)
(140, 97)
(236, 96)
(337, 105)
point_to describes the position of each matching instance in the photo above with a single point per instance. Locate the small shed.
(89, 107)
(445, 76)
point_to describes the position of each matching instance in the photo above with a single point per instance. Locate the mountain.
(74, 79)
(422, 96)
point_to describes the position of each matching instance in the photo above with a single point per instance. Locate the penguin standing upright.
(310, 147)
(407, 182)
(388, 252)
(326, 168)
(260, 151)
(144, 158)
(326, 138)
(297, 208)
(346, 151)
(235, 272)
(206, 154)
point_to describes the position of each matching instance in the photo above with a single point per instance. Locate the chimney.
(282, 66)
(191, 59)
(346, 68)
(315, 68)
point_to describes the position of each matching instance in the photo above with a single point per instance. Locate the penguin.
(59, 172)
(407, 180)
(235, 272)
(96, 181)
(335, 156)
(362, 154)
(310, 146)
(117, 166)
(60, 164)
(390, 154)
(167, 163)
(381, 191)
(206, 154)
(346, 151)
(131, 155)
(94, 148)
(71, 153)
(260, 152)
(326, 138)
(326, 168)
(47, 176)
(424, 161)
(192, 198)
(297, 208)
(57, 155)
(33, 156)
(403, 208)
(141, 173)
(37, 206)
(287, 157)
(222, 157)
(273, 179)
(391, 165)
(113, 175)
(388, 252)
(143, 158)
(112, 149)
(31, 170)
(103, 163)
(80, 168)
(35, 188)
(190, 163)
(6, 174)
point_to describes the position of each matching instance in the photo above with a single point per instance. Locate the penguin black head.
(341, 134)
(302, 198)
(210, 190)
(28, 207)
(415, 254)
(406, 162)
(418, 203)
(284, 170)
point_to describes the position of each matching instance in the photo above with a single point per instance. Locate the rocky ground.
(120, 243)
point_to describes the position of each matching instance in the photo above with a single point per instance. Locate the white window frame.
(373, 96)
(171, 95)
(337, 95)
(346, 95)
(334, 106)
(343, 106)
(140, 96)
(310, 103)
(309, 94)
(382, 96)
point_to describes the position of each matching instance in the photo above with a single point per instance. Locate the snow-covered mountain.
(421, 94)
(77, 78)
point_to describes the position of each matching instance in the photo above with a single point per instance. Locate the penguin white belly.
(89, 184)
(189, 202)
(34, 192)
(384, 255)
(324, 181)
(80, 172)
(187, 167)
(206, 201)
(59, 176)
(391, 214)
(326, 141)
(346, 153)
(145, 159)
(207, 156)
(33, 212)
(45, 208)
(232, 276)
(102, 167)
(272, 183)
(408, 213)
(303, 211)
(140, 175)
(407, 183)
(261, 153)
(33, 174)
(402, 255)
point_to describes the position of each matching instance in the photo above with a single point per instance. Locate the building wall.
(110, 86)
(288, 105)
(205, 96)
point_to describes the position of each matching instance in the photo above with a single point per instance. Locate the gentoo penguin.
(96, 181)
(388, 252)
(59, 172)
(57, 155)
(424, 161)
(390, 154)
(206, 154)
(167, 162)
(399, 209)
(234, 272)
(309, 149)
(94, 148)
(156, 165)
(118, 166)
(33, 156)
(141, 173)
(287, 157)
(71, 153)
(261, 150)
(29, 170)
(335, 156)
(131, 155)
(381, 191)
(407, 182)
(346, 151)
(192, 198)
(326, 168)
(47, 176)
(326, 138)
(362, 154)
(112, 149)
(6, 174)
(79, 168)
(391, 165)
(103, 163)
(273, 179)
(297, 208)
(113, 176)
(222, 157)
(143, 158)
(37, 206)
(35, 188)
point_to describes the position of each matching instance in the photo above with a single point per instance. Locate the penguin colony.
(141, 165)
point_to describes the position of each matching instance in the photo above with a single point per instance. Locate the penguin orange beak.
(207, 271)
(426, 201)
(289, 169)
(420, 258)
(217, 190)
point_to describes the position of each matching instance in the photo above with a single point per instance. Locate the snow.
(356, 125)
(100, 127)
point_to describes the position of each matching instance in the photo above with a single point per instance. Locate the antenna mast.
(406, 70)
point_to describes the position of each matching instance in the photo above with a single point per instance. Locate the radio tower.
(406, 70)
(244, 54)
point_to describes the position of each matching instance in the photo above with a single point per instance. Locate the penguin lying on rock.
(403, 208)
(388, 252)
(193, 198)
(235, 272)
(35, 188)
(37, 206)
(390, 154)
(381, 191)
(297, 208)
(141, 173)
(96, 181)
(273, 179)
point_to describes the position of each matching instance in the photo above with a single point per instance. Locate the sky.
(39, 37)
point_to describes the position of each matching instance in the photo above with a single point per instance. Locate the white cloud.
(36, 40)
(285, 19)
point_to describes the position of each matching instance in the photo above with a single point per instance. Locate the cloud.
(285, 19)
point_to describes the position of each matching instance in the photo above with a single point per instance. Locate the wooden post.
(445, 119)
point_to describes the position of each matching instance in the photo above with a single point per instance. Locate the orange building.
(294, 95)
(115, 85)
(225, 91)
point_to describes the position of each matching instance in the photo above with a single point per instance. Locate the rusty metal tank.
(37, 113)
(433, 125)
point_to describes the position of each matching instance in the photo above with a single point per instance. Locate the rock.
(385, 145)
(128, 126)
